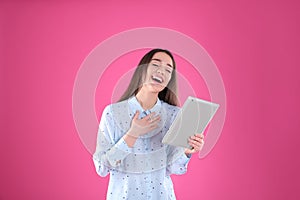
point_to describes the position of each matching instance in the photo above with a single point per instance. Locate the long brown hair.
(168, 94)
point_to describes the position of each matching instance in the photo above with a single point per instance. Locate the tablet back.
(192, 118)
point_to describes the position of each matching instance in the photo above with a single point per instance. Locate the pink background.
(255, 45)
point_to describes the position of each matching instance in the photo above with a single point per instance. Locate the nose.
(160, 70)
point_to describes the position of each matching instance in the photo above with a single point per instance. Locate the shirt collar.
(135, 105)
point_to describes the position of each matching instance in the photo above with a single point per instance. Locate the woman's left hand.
(197, 142)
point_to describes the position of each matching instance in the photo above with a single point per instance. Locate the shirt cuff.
(118, 152)
(185, 159)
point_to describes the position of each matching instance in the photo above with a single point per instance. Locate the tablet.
(193, 117)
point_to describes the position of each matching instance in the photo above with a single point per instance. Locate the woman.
(129, 146)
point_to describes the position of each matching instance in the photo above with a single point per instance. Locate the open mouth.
(157, 79)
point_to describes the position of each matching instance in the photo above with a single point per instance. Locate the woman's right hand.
(142, 126)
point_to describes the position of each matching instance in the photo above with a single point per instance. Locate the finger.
(195, 144)
(194, 148)
(201, 141)
(191, 151)
(150, 116)
(136, 115)
(196, 138)
(153, 126)
(155, 120)
(199, 135)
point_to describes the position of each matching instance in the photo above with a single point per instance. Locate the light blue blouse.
(143, 171)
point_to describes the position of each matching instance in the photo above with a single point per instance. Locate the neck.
(146, 99)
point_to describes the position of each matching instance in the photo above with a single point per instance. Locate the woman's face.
(159, 72)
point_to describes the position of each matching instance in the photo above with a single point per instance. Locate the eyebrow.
(159, 60)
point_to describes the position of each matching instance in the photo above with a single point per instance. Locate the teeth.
(158, 79)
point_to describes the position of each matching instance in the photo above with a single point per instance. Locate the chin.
(156, 88)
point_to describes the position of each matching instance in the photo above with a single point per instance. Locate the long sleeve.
(177, 160)
(110, 151)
